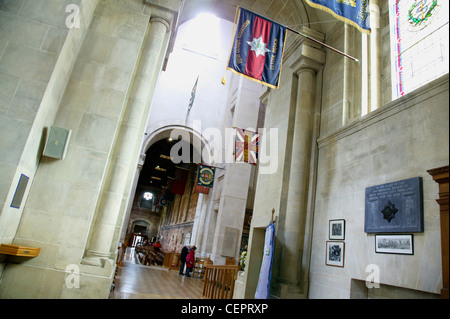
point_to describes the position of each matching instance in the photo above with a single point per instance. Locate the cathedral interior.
(119, 128)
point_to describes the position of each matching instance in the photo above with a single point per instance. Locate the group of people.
(187, 258)
(156, 245)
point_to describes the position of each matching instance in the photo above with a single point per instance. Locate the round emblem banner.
(205, 176)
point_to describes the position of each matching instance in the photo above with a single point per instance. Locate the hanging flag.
(246, 146)
(265, 274)
(205, 179)
(258, 48)
(179, 183)
(193, 93)
(163, 201)
(354, 12)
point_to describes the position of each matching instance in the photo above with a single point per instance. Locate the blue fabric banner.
(354, 12)
(265, 274)
(258, 48)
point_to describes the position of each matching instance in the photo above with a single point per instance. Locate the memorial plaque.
(394, 207)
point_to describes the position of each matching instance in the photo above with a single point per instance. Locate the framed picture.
(336, 229)
(335, 253)
(394, 244)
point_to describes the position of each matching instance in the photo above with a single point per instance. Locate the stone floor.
(135, 281)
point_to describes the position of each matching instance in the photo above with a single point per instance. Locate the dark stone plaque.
(395, 207)
(20, 191)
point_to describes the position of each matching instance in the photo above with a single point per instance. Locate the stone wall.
(76, 205)
(37, 54)
(401, 140)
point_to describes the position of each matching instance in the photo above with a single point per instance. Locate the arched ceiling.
(291, 13)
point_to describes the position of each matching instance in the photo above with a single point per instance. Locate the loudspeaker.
(57, 142)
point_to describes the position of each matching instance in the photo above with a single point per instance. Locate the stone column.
(198, 220)
(299, 177)
(375, 55)
(347, 96)
(127, 146)
(131, 198)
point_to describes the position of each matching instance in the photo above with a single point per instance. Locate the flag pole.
(316, 41)
(324, 44)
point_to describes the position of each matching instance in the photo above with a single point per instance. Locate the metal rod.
(309, 38)
(324, 44)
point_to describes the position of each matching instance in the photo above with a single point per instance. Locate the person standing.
(157, 246)
(190, 261)
(184, 253)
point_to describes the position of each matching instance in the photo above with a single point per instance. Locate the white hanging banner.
(265, 274)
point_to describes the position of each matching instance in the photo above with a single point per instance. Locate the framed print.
(394, 244)
(336, 229)
(335, 253)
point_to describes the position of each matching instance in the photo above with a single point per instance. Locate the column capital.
(162, 21)
(305, 68)
(309, 59)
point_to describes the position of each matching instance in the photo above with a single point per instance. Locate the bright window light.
(148, 196)
(203, 35)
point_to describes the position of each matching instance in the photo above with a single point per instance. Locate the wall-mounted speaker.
(57, 142)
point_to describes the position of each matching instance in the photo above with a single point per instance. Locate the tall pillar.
(139, 167)
(127, 146)
(299, 177)
(347, 96)
(375, 55)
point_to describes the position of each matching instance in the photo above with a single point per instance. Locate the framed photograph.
(336, 229)
(394, 244)
(335, 253)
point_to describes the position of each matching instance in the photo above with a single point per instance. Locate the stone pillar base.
(289, 291)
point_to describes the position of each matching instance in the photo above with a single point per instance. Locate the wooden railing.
(219, 281)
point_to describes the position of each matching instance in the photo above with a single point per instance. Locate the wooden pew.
(219, 281)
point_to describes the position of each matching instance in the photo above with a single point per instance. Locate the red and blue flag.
(258, 48)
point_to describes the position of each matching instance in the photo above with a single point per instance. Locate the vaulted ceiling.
(291, 13)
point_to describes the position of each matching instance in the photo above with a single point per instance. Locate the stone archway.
(200, 145)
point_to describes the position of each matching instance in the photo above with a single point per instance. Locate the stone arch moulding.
(200, 144)
(294, 13)
(139, 221)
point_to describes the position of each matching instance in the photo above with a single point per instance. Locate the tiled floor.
(135, 281)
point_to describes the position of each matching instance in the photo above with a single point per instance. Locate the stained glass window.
(146, 200)
(148, 196)
(419, 42)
